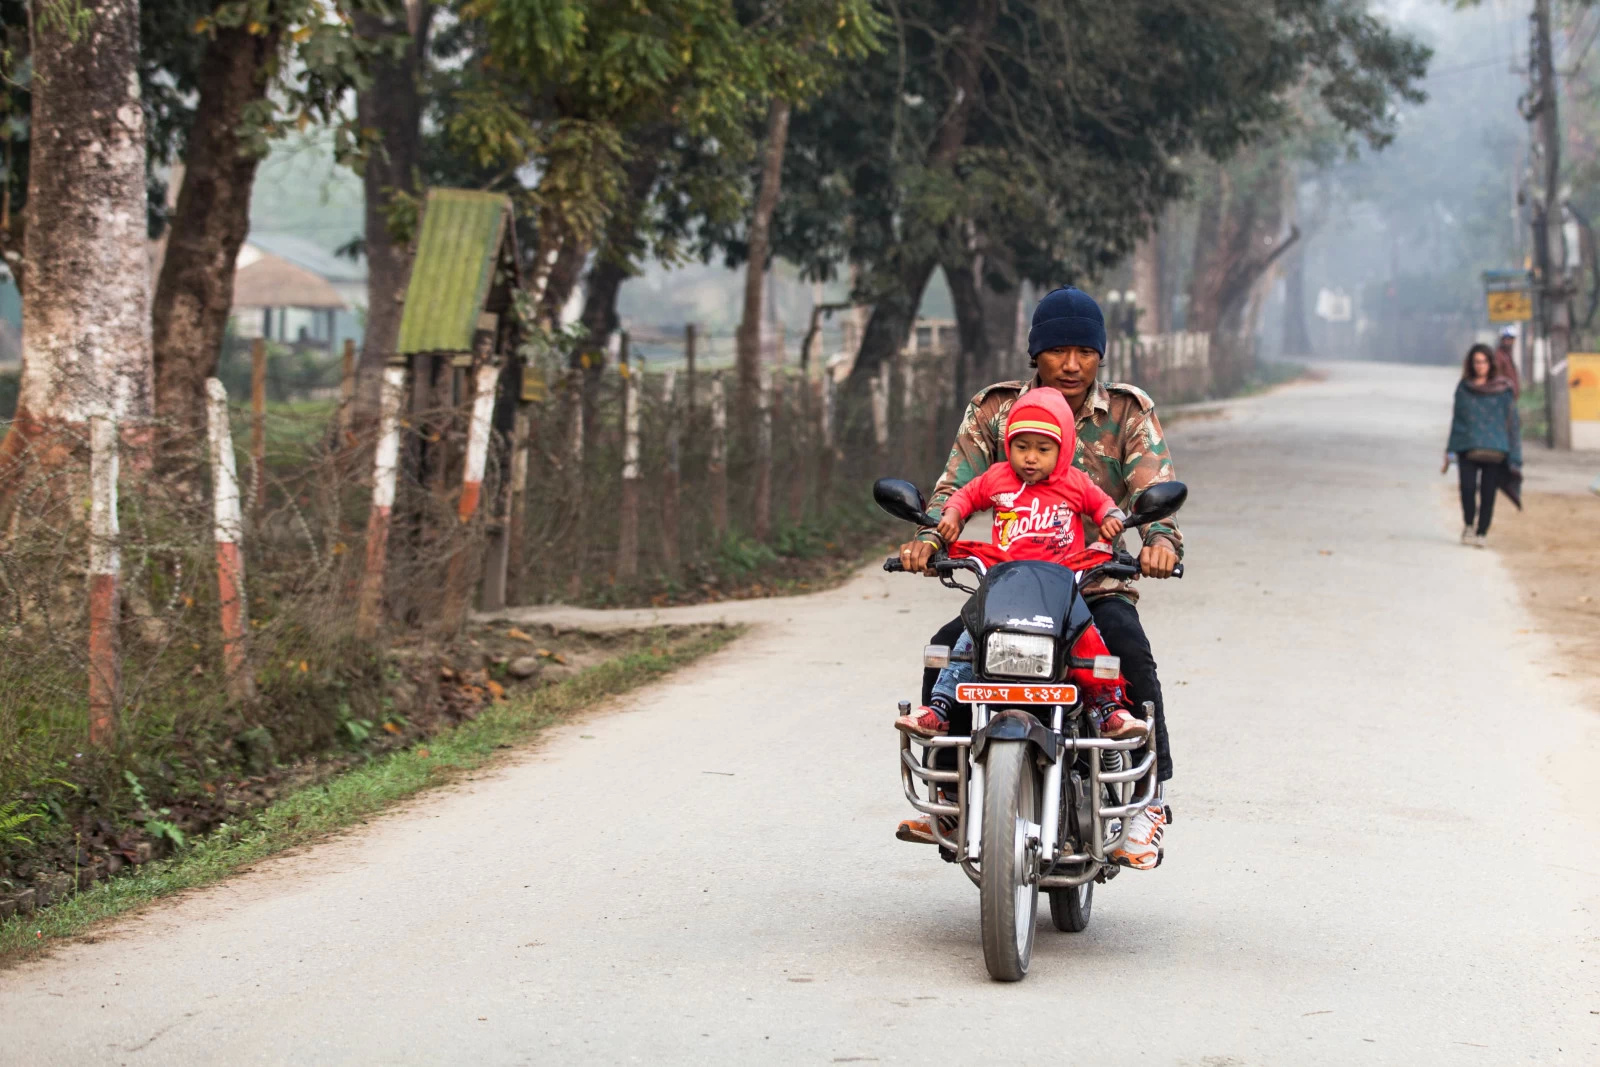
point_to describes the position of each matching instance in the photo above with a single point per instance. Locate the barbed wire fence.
(159, 583)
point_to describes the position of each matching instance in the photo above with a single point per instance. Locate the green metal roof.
(453, 269)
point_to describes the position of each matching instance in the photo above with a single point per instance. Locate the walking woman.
(1485, 441)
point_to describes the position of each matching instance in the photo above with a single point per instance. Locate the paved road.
(1385, 847)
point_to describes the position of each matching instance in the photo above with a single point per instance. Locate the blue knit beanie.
(1067, 317)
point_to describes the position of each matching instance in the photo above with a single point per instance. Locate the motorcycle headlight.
(1019, 655)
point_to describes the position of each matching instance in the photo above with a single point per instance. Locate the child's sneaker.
(924, 722)
(1117, 723)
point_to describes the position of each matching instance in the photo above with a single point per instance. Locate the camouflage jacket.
(1120, 448)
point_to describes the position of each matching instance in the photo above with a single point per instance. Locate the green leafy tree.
(1015, 141)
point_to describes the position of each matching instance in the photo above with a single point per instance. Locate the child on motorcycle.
(1037, 496)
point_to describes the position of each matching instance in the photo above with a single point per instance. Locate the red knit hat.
(1042, 411)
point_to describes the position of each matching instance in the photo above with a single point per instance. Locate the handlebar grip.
(1177, 572)
(893, 564)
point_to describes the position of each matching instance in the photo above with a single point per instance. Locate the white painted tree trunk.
(86, 322)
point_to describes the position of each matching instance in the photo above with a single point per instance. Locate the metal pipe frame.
(912, 770)
(1140, 779)
(1147, 781)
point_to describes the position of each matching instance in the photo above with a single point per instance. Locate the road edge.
(316, 812)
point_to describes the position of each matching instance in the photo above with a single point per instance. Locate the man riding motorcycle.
(1122, 450)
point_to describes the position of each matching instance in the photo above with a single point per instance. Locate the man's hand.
(914, 555)
(1158, 560)
(1446, 466)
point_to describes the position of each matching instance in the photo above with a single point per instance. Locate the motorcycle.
(1036, 799)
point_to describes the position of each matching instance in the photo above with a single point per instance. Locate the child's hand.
(1110, 529)
(949, 526)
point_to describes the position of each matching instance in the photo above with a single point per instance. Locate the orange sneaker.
(924, 722)
(1141, 849)
(919, 831)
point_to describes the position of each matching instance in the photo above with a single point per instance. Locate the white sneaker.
(1466, 535)
(1481, 541)
(1142, 848)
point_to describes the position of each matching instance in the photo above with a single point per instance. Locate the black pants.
(1479, 484)
(1119, 626)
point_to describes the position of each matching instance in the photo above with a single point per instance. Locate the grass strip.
(351, 796)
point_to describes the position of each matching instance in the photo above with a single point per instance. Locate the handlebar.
(946, 565)
(941, 565)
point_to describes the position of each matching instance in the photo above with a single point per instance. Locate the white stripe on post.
(105, 564)
(385, 468)
(228, 531)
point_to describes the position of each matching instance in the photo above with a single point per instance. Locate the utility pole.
(1550, 256)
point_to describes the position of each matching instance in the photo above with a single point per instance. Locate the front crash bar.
(912, 771)
(1143, 774)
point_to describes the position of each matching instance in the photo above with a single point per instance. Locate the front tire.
(1008, 890)
(1070, 908)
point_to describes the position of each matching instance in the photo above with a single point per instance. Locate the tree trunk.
(612, 266)
(86, 323)
(999, 295)
(969, 360)
(1147, 283)
(1296, 335)
(890, 323)
(894, 313)
(564, 277)
(1238, 240)
(392, 106)
(194, 294)
(749, 334)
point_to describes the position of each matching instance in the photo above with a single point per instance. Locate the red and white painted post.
(479, 427)
(228, 527)
(478, 430)
(385, 470)
(105, 596)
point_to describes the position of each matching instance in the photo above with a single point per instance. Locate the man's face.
(1071, 370)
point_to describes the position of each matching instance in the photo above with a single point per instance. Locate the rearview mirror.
(1160, 501)
(902, 500)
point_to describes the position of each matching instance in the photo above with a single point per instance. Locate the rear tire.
(1008, 891)
(1070, 908)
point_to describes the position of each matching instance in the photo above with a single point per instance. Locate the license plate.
(973, 693)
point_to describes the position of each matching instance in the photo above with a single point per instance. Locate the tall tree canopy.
(1037, 140)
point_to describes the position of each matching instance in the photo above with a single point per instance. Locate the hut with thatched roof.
(267, 288)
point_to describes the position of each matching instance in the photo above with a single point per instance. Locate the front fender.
(1014, 725)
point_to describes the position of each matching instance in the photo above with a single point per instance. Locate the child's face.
(1034, 456)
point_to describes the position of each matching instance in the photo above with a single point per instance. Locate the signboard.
(1583, 397)
(1497, 281)
(1507, 305)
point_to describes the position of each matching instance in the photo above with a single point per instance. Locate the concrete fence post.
(258, 425)
(105, 594)
(762, 519)
(628, 511)
(480, 426)
(718, 467)
(347, 392)
(228, 530)
(385, 469)
(672, 480)
(880, 410)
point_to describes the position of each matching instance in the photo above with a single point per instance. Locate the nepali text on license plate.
(974, 693)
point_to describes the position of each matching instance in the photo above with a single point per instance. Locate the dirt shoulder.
(1553, 550)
